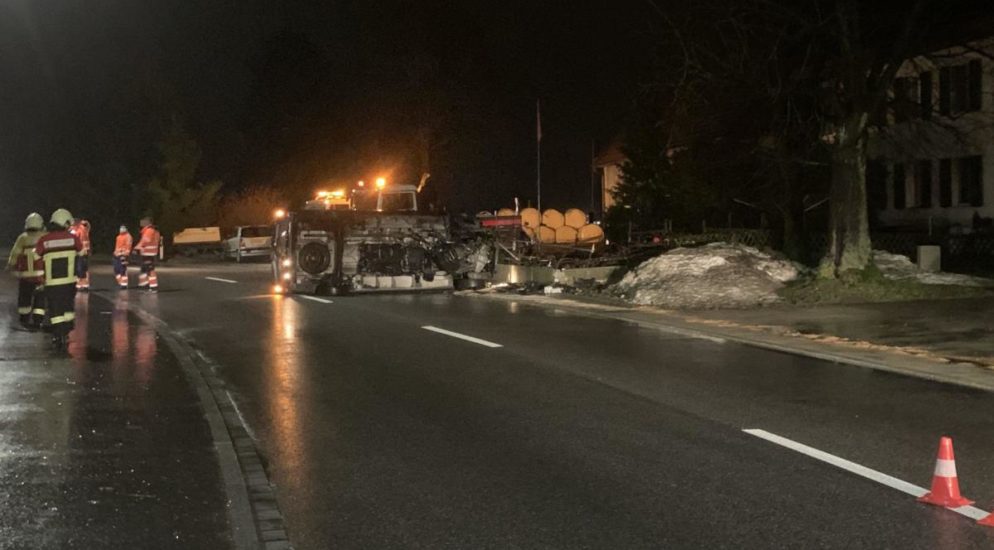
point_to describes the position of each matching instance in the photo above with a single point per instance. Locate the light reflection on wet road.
(579, 432)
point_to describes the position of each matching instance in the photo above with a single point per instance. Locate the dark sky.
(87, 86)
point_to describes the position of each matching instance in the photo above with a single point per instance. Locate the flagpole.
(538, 154)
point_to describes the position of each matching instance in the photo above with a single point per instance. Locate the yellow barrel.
(553, 218)
(546, 234)
(531, 217)
(590, 234)
(565, 235)
(575, 218)
(505, 212)
(529, 232)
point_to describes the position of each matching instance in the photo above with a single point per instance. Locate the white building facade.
(932, 165)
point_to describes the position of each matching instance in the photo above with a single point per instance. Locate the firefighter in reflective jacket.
(56, 253)
(22, 261)
(148, 248)
(81, 229)
(122, 249)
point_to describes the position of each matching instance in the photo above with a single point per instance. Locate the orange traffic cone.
(945, 484)
(988, 521)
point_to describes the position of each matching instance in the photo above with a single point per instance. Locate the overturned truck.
(339, 251)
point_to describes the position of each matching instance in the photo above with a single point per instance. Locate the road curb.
(953, 373)
(256, 521)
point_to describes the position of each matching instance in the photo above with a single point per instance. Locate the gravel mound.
(712, 276)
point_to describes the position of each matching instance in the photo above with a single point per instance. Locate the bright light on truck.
(279, 213)
(381, 183)
(286, 276)
(286, 262)
(277, 289)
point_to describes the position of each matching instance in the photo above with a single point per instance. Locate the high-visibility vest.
(57, 252)
(23, 258)
(122, 244)
(83, 234)
(149, 243)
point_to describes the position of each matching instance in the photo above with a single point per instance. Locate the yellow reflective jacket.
(22, 258)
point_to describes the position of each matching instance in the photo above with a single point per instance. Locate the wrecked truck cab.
(349, 251)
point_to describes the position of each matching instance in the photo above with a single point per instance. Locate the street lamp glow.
(279, 213)
(381, 183)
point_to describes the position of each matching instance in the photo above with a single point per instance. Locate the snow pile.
(711, 276)
(897, 267)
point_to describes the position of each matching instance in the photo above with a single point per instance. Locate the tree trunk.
(849, 233)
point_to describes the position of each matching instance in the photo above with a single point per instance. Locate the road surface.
(444, 421)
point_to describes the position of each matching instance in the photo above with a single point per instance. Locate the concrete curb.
(954, 373)
(256, 521)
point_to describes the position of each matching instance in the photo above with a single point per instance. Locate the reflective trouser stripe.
(64, 318)
(24, 310)
(70, 257)
(38, 311)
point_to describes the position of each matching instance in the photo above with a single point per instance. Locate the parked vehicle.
(249, 241)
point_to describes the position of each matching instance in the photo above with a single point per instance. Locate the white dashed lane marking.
(463, 337)
(315, 299)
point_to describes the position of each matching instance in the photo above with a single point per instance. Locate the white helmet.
(34, 222)
(61, 218)
(123, 229)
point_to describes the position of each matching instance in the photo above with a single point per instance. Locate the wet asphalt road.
(576, 433)
(103, 447)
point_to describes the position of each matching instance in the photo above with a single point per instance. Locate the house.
(608, 163)
(932, 164)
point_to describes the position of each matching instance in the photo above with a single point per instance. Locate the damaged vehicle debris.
(380, 243)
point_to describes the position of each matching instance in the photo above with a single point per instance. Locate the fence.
(751, 237)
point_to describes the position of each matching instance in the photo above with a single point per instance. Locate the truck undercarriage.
(344, 251)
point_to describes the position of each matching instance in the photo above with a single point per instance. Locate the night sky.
(291, 94)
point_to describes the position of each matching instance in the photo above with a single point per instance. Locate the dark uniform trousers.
(60, 305)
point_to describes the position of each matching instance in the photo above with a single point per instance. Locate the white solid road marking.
(234, 405)
(315, 299)
(220, 280)
(862, 471)
(462, 336)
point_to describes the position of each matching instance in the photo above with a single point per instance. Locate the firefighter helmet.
(145, 222)
(61, 218)
(34, 222)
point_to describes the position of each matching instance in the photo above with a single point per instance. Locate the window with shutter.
(971, 181)
(925, 94)
(923, 184)
(945, 182)
(974, 87)
(899, 187)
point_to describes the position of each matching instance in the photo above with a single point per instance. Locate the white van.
(249, 241)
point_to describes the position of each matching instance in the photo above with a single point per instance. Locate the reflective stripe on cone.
(945, 483)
